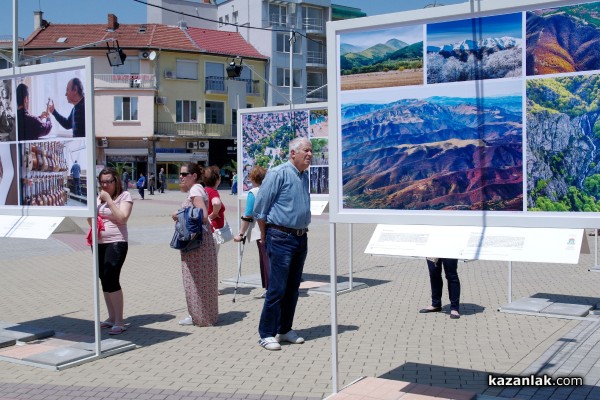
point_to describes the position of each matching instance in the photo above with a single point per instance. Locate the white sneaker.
(187, 321)
(269, 343)
(291, 337)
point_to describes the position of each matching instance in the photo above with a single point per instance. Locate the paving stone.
(59, 356)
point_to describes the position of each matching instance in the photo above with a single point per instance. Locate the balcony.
(316, 94)
(194, 130)
(316, 59)
(216, 84)
(123, 81)
(314, 25)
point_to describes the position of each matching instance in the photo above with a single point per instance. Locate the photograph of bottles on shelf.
(44, 176)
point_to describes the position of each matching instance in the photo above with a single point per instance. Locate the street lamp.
(115, 55)
(233, 70)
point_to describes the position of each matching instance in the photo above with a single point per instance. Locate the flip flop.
(117, 330)
(106, 324)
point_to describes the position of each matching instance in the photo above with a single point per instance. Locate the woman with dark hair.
(216, 208)
(199, 266)
(114, 207)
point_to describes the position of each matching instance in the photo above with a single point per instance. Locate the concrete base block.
(24, 333)
(56, 357)
(5, 341)
(527, 304)
(573, 310)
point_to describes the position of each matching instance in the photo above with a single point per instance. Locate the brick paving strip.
(17, 391)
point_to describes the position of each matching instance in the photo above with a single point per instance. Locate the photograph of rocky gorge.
(563, 139)
(563, 39)
(450, 150)
(480, 48)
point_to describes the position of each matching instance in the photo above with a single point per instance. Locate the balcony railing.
(313, 24)
(316, 57)
(194, 130)
(120, 81)
(217, 84)
(318, 93)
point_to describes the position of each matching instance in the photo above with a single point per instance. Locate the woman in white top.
(114, 207)
(199, 266)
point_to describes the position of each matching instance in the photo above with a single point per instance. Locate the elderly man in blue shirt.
(282, 209)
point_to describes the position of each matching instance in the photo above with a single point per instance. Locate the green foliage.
(592, 185)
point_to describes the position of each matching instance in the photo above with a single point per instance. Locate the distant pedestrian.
(234, 183)
(141, 183)
(125, 181)
(162, 180)
(151, 183)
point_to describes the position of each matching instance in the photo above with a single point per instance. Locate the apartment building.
(273, 27)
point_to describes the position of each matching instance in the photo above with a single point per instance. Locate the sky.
(131, 11)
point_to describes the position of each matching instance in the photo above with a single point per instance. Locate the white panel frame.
(471, 9)
(55, 67)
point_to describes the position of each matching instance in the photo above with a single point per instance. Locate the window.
(187, 69)
(283, 43)
(131, 66)
(313, 19)
(234, 17)
(215, 112)
(227, 19)
(215, 76)
(283, 77)
(126, 108)
(186, 111)
(220, 21)
(278, 15)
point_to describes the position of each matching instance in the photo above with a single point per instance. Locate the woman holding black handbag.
(199, 266)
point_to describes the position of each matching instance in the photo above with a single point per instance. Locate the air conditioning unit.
(160, 100)
(145, 55)
(203, 145)
(192, 145)
(102, 142)
(169, 74)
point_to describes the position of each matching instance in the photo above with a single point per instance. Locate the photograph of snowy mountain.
(481, 48)
(563, 138)
(382, 58)
(563, 39)
(443, 150)
(265, 137)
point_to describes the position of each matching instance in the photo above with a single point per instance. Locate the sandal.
(106, 324)
(117, 330)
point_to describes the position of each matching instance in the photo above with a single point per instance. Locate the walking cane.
(239, 267)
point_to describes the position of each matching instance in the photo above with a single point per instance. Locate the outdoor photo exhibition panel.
(38, 147)
(264, 135)
(484, 114)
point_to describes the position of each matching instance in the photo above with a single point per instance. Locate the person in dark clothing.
(30, 127)
(76, 119)
(76, 174)
(450, 266)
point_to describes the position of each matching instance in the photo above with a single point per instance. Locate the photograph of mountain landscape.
(382, 58)
(563, 39)
(563, 138)
(446, 149)
(481, 48)
(266, 135)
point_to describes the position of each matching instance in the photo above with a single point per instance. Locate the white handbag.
(224, 234)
